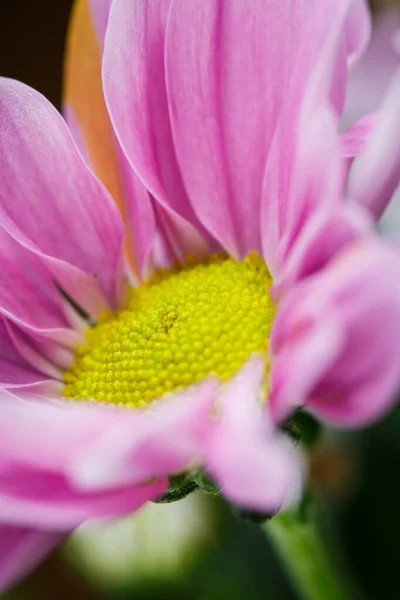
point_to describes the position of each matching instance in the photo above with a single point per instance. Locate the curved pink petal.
(21, 549)
(354, 140)
(139, 217)
(76, 132)
(376, 174)
(52, 204)
(28, 295)
(358, 31)
(299, 363)
(370, 76)
(43, 499)
(313, 103)
(100, 10)
(163, 440)
(135, 92)
(88, 120)
(35, 487)
(15, 371)
(324, 235)
(43, 354)
(87, 117)
(64, 462)
(253, 464)
(336, 339)
(317, 177)
(228, 65)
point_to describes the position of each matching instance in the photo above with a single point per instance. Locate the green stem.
(308, 556)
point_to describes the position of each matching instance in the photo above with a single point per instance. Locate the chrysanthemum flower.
(246, 286)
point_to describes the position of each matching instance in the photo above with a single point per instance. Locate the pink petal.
(314, 101)
(39, 444)
(358, 31)
(48, 357)
(228, 65)
(298, 364)
(28, 296)
(317, 177)
(140, 219)
(336, 339)
(135, 92)
(50, 202)
(100, 10)
(88, 120)
(163, 440)
(21, 550)
(254, 465)
(369, 78)
(62, 463)
(34, 498)
(76, 132)
(376, 174)
(14, 370)
(354, 140)
(325, 234)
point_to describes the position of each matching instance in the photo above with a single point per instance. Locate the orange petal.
(84, 95)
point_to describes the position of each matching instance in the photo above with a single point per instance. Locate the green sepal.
(184, 484)
(206, 484)
(180, 486)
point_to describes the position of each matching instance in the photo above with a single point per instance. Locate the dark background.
(359, 473)
(32, 34)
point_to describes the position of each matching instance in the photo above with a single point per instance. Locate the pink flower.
(218, 134)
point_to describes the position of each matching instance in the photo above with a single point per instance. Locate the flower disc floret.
(177, 328)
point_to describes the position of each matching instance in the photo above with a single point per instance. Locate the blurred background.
(197, 549)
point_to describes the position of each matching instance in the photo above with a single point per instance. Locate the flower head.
(249, 281)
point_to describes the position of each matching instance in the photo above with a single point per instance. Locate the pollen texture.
(177, 328)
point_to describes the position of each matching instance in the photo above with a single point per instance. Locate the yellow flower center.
(177, 328)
